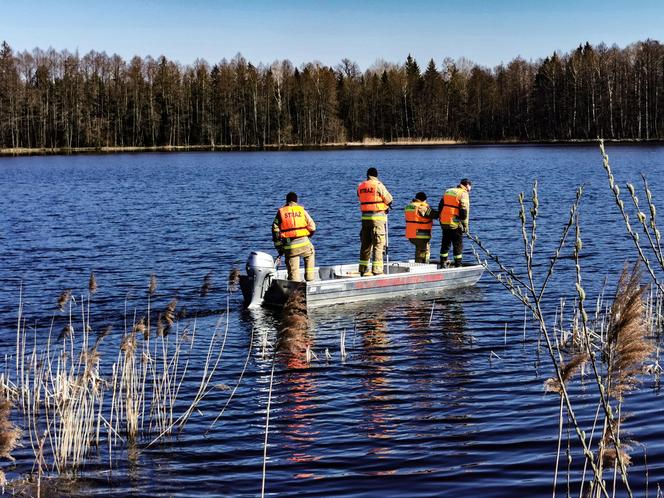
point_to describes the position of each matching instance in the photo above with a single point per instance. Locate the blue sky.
(486, 32)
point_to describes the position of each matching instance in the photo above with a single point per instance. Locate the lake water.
(439, 398)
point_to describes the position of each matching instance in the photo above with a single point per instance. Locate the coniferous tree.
(52, 99)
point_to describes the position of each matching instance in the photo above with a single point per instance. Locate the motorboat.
(265, 285)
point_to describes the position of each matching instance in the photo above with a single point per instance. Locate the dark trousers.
(453, 236)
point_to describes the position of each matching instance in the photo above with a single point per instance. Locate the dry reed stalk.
(244, 368)
(598, 485)
(63, 395)
(653, 234)
(209, 370)
(530, 295)
(342, 344)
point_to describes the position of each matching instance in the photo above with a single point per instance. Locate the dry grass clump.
(10, 435)
(74, 396)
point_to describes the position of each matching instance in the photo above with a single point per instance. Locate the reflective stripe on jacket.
(449, 214)
(293, 222)
(417, 226)
(372, 203)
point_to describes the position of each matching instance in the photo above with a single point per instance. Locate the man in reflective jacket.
(454, 209)
(291, 229)
(375, 202)
(419, 221)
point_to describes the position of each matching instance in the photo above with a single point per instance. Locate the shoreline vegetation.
(365, 144)
(70, 102)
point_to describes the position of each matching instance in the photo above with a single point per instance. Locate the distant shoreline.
(368, 144)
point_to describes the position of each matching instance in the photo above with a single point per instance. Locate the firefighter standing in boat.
(454, 209)
(291, 229)
(419, 221)
(375, 202)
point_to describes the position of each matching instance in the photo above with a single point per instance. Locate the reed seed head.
(63, 299)
(103, 333)
(128, 344)
(66, 332)
(233, 279)
(627, 346)
(609, 457)
(139, 327)
(152, 286)
(169, 313)
(92, 283)
(567, 371)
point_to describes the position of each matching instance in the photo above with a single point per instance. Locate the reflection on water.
(299, 432)
(377, 393)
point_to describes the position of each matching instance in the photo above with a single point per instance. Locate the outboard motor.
(259, 266)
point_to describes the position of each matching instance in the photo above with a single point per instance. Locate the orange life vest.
(451, 202)
(293, 222)
(417, 227)
(370, 199)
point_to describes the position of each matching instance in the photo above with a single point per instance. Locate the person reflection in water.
(293, 343)
(380, 420)
(293, 338)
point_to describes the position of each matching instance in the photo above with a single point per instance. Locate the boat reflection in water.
(389, 403)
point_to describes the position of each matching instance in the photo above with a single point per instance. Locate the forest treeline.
(51, 99)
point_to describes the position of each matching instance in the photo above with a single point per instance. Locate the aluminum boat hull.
(342, 284)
